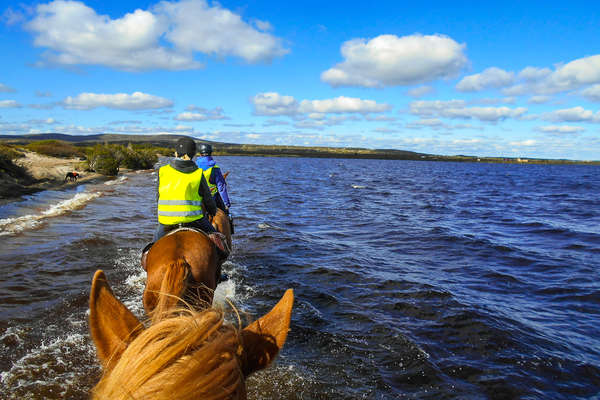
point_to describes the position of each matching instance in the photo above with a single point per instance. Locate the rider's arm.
(221, 185)
(207, 199)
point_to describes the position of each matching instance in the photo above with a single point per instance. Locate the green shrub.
(132, 158)
(139, 159)
(103, 160)
(107, 159)
(55, 148)
(150, 149)
(9, 153)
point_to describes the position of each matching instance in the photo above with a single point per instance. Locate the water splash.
(117, 181)
(11, 226)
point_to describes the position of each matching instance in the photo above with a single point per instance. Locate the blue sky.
(514, 79)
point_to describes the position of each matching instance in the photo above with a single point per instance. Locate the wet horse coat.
(183, 264)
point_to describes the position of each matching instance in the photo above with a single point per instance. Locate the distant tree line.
(107, 153)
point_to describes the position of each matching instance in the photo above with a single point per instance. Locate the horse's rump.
(175, 281)
(182, 264)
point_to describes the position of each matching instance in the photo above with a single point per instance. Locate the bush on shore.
(12, 176)
(108, 159)
(8, 153)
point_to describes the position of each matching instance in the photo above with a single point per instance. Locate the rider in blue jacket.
(214, 177)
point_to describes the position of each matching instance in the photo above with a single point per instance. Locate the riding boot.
(230, 217)
(220, 242)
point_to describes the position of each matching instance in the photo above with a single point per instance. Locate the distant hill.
(221, 148)
(157, 140)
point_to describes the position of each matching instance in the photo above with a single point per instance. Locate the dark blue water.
(412, 279)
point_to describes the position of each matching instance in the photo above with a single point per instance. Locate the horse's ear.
(263, 339)
(112, 325)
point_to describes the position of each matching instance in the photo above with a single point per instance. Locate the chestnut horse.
(176, 265)
(184, 355)
(184, 264)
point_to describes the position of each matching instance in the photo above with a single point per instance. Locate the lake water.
(413, 280)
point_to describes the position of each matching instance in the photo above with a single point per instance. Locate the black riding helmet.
(205, 149)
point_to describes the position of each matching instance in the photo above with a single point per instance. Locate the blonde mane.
(183, 354)
(189, 355)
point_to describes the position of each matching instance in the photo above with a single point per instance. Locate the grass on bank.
(106, 159)
(55, 148)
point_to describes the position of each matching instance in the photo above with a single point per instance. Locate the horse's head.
(185, 355)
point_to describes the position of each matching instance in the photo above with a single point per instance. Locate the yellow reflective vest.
(213, 187)
(178, 198)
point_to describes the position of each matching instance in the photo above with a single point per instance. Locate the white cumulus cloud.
(559, 129)
(275, 104)
(592, 93)
(525, 143)
(544, 81)
(420, 91)
(118, 101)
(195, 113)
(163, 37)
(6, 89)
(539, 99)
(196, 26)
(575, 114)
(426, 122)
(458, 109)
(272, 103)
(490, 78)
(342, 104)
(389, 60)
(9, 104)
(534, 73)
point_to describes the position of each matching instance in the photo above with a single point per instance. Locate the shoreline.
(43, 173)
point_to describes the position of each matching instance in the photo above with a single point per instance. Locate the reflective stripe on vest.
(213, 187)
(178, 198)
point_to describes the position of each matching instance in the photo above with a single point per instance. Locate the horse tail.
(172, 288)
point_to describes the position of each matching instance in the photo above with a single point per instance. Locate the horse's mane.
(187, 355)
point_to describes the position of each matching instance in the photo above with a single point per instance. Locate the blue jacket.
(216, 178)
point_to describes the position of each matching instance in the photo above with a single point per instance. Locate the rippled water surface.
(412, 279)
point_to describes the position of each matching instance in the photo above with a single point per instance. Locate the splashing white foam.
(47, 366)
(10, 226)
(12, 335)
(117, 181)
(225, 290)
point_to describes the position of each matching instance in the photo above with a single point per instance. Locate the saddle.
(217, 238)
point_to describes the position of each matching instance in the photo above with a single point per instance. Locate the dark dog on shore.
(71, 176)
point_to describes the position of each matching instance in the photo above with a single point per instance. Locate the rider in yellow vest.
(183, 193)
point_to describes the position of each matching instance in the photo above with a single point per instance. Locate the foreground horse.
(188, 355)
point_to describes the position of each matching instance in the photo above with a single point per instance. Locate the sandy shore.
(49, 173)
